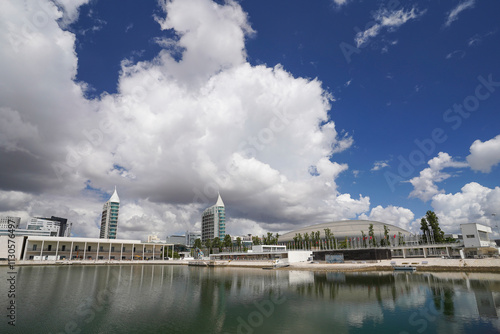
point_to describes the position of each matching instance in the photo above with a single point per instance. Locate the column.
(133, 245)
(57, 248)
(97, 255)
(71, 252)
(26, 248)
(84, 250)
(404, 253)
(41, 249)
(109, 253)
(425, 252)
(154, 252)
(121, 251)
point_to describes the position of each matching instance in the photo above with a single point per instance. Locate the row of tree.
(227, 242)
(432, 233)
(330, 242)
(270, 239)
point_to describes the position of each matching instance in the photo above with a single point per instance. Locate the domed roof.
(345, 228)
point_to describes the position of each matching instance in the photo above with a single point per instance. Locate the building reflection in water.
(187, 299)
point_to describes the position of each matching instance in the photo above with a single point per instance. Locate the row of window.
(89, 248)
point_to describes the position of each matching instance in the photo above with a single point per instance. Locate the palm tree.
(216, 243)
(208, 244)
(228, 242)
(238, 243)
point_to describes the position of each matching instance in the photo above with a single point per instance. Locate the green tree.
(238, 243)
(317, 238)
(216, 243)
(276, 238)
(424, 227)
(433, 222)
(208, 244)
(256, 240)
(363, 237)
(269, 239)
(430, 227)
(385, 241)
(328, 237)
(228, 242)
(197, 243)
(371, 233)
(168, 253)
(306, 239)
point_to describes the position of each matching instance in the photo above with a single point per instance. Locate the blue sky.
(392, 110)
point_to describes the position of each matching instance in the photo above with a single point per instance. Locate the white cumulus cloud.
(473, 204)
(425, 184)
(393, 215)
(484, 155)
(196, 119)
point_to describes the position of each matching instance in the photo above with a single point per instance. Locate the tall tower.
(213, 221)
(109, 218)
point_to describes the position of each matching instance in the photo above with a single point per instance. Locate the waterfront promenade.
(422, 264)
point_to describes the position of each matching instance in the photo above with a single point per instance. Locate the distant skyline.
(297, 112)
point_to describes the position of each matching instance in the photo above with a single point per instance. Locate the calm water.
(181, 299)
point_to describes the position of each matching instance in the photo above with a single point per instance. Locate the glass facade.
(109, 218)
(213, 222)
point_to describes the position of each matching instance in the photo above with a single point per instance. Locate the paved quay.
(422, 264)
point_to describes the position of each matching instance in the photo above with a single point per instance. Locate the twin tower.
(213, 219)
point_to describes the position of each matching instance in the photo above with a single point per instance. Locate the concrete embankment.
(422, 264)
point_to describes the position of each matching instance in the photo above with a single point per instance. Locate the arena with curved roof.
(347, 229)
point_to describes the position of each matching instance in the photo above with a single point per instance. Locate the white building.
(268, 248)
(176, 239)
(37, 224)
(39, 248)
(191, 238)
(277, 253)
(477, 241)
(213, 221)
(153, 238)
(5, 221)
(109, 218)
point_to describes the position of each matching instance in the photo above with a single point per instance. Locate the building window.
(34, 247)
(76, 248)
(101, 248)
(89, 248)
(113, 248)
(483, 236)
(63, 248)
(470, 236)
(49, 248)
